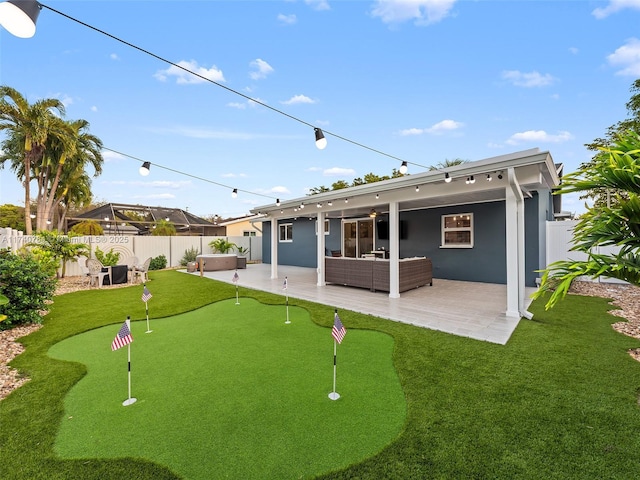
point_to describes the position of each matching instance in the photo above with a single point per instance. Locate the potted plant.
(222, 245)
(242, 256)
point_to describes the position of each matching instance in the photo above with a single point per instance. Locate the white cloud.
(114, 56)
(169, 184)
(627, 57)
(423, 12)
(244, 105)
(444, 126)
(412, 131)
(531, 79)
(438, 129)
(287, 19)
(296, 99)
(615, 6)
(318, 4)
(261, 69)
(94, 108)
(110, 156)
(573, 50)
(185, 77)
(338, 171)
(538, 136)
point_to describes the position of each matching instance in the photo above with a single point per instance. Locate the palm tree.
(448, 163)
(616, 168)
(67, 158)
(32, 123)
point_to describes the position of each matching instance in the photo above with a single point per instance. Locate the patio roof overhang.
(533, 169)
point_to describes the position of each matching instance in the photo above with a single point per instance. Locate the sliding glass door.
(357, 237)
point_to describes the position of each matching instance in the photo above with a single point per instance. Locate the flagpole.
(286, 289)
(146, 306)
(237, 302)
(129, 401)
(334, 395)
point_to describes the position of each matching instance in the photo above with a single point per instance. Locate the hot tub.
(217, 261)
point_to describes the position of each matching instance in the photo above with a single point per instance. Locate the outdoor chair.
(131, 263)
(141, 271)
(84, 271)
(97, 271)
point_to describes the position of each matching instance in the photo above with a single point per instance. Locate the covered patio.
(468, 309)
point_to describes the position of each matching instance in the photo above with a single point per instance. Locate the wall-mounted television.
(382, 228)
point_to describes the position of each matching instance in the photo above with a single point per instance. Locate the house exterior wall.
(301, 251)
(238, 229)
(485, 262)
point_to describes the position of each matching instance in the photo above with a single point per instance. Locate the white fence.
(143, 247)
(560, 242)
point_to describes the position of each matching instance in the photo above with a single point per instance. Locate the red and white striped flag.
(235, 278)
(284, 285)
(146, 295)
(122, 338)
(338, 331)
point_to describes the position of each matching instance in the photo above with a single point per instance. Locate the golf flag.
(284, 286)
(146, 295)
(122, 338)
(338, 331)
(235, 277)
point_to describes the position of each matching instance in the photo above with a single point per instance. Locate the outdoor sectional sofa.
(373, 273)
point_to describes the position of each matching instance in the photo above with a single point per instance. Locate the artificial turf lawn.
(239, 392)
(558, 401)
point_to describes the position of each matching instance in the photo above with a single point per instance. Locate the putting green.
(231, 391)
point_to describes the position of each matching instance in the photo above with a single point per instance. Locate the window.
(286, 232)
(326, 226)
(457, 231)
(248, 233)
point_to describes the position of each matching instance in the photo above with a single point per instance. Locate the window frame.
(444, 230)
(327, 226)
(285, 227)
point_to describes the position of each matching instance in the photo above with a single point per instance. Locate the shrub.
(88, 227)
(222, 245)
(27, 285)
(108, 259)
(158, 263)
(189, 256)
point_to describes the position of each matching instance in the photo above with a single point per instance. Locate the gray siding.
(485, 262)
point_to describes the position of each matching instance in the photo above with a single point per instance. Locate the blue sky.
(422, 81)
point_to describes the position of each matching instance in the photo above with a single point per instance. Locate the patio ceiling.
(533, 169)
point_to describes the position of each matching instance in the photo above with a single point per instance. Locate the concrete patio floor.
(469, 309)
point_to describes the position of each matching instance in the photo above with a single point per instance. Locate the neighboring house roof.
(245, 218)
(117, 213)
(533, 170)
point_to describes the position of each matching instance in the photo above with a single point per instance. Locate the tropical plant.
(32, 125)
(189, 256)
(158, 263)
(163, 228)
(616, 168)
(242, 251)
(367, 178)
(108, 259)
(222, 245)
(60, 247)
(605, 195)
(88, 227)
(27, 285)
(448, 163)
(12, 216)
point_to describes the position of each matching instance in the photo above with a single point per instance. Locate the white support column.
(274, 247)
(394, 250)
(320, 241)
(514, 206)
